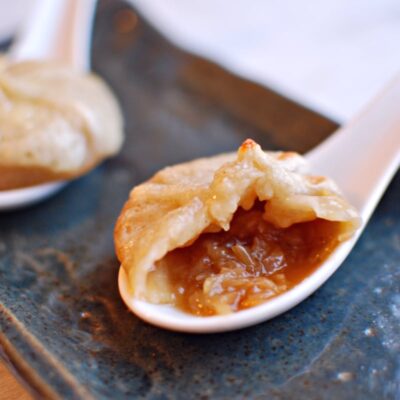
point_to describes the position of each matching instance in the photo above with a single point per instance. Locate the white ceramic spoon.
(361, 157)
(57, 30)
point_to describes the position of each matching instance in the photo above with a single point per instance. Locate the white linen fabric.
(330, 55)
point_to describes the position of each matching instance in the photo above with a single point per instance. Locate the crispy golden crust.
(180, 202)
(54, 123)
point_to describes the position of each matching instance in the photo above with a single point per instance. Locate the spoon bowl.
(169, 317)
(56, 30)
(362, 158)
(19, 198)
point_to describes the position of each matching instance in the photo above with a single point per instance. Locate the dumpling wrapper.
(55, 122)
(181, 202)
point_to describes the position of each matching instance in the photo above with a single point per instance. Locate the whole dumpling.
(55, 122)
(183, 204)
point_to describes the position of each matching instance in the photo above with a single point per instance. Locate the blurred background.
(331, 55)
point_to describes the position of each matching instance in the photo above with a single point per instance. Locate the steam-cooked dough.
(181, 202)
(55, 122)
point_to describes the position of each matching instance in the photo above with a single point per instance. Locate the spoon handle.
(57, 30)
(363, 156)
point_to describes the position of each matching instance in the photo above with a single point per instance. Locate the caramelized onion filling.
(252, 262)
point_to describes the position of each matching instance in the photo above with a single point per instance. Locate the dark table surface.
(63, 325)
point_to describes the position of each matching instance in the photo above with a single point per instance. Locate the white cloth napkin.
(330, 55)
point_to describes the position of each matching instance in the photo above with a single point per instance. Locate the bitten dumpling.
(55, 123)
(220, 234)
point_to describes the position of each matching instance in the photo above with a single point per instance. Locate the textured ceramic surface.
(63, 325)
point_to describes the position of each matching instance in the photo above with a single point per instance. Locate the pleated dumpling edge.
(179, 203)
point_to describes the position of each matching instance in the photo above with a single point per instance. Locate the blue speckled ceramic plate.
(63, 325)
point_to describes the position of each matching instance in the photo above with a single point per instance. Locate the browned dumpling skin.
(228, 206)
(55, 123)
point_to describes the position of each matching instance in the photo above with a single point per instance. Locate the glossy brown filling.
(251, 263)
